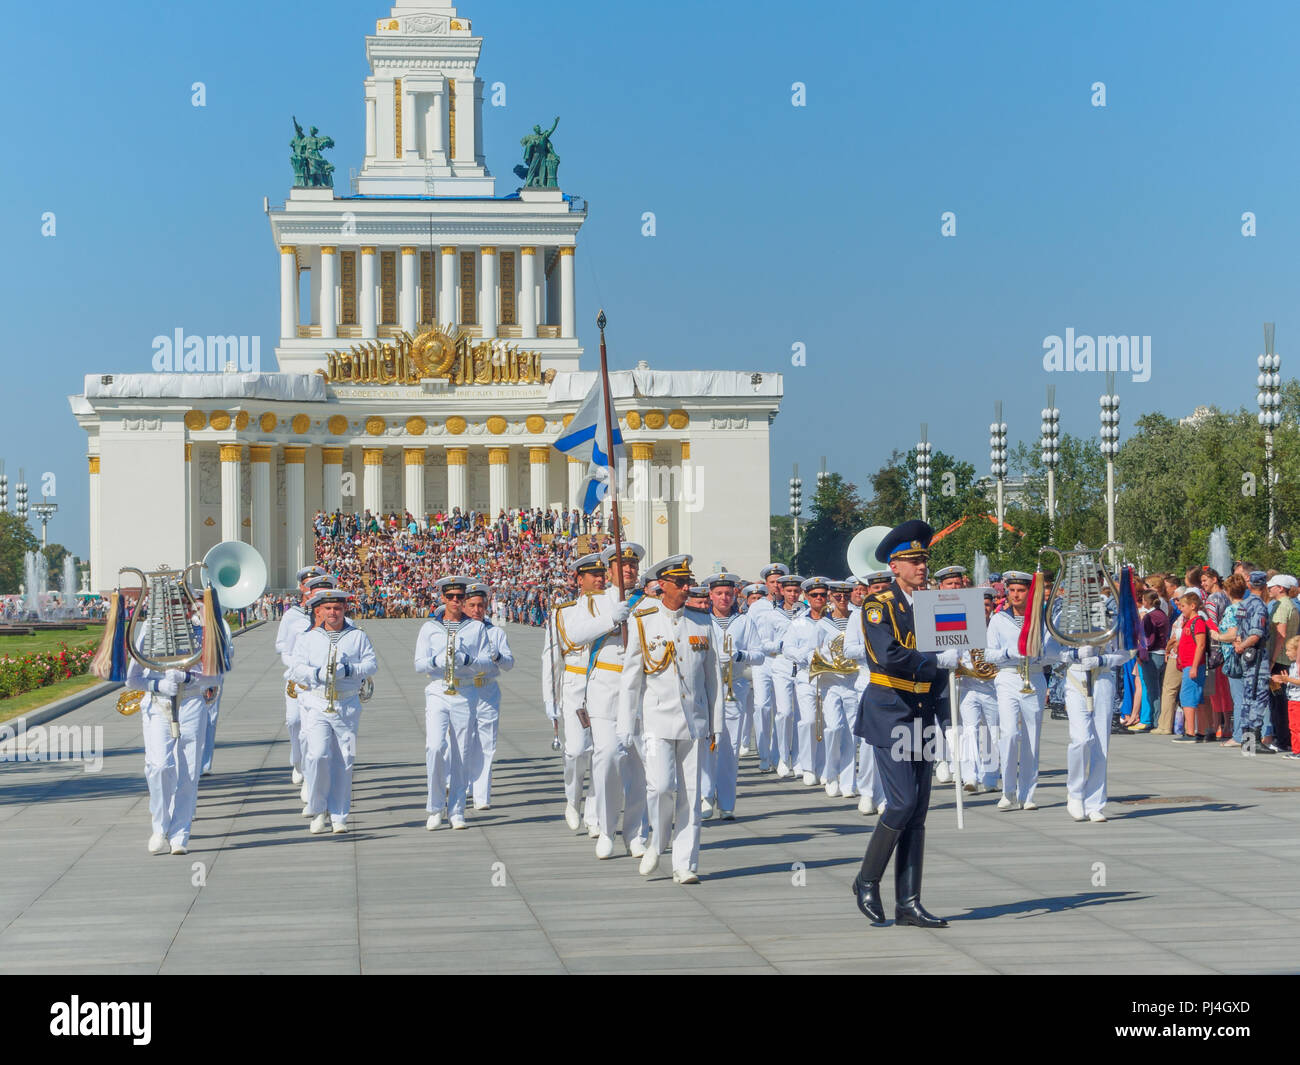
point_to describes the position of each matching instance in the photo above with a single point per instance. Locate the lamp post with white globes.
(998, 462)
(1109, 449)
(923, 471)
(1051, 455)
(1270, 414)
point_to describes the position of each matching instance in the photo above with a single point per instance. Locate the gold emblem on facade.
(267, 422)
(535, 423)
(456, 425)
(220, 421)
(679, 419)
(633, 419)
(337, 425)
(300, 424)
(195, 420)
(376, 426)
(654, 419)
(496, 425)
(416, 426)
(448, 354)
(241, 420)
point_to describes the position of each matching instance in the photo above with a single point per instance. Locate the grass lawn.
(17, 705)
(17, 646)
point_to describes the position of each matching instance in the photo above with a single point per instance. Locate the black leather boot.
(907, 883)
(867, 884)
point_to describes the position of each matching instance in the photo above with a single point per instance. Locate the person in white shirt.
(768, 625)
(736, 640)
(487, 711)
(802, 639)
(784, 673)
(292, 625)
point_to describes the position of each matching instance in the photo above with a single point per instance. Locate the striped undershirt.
(789, 613)
(724, 622)
(840, 623)
(334, 636)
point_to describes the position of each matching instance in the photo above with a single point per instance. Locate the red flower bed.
(18, 675)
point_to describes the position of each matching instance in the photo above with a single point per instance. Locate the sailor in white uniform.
(1085, 758)
(671, 691)
(292, 625)
(948, 577)
(487, 710)
(870, 786)
(766, 625)
(746, 597)
(839, 699)
(802, 639)
(736, 641)
(784, 672)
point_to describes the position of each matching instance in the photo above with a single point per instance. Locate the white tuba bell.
(237, 572)
(862, 550)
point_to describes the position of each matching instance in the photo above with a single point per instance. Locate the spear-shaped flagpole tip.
(600, 320)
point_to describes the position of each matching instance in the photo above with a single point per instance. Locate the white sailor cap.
(676, 567)
(819, 584)
(714, 580)
(328, 595)
(697, 591)
(631, 553)
(589, 564)
(310, 571)
(791, 578)
(325, 581)
(950, 571)
(840, 586)
(989, 593)
(477, 588)
(877, 575)
(753, 589)
(1017, 576)
(774, 567)
(453, 584)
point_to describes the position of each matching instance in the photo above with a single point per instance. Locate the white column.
(230, 455)
(295, 509)
(498, 469)
(448, 311)
(371, 140)
(329, 318)
(366, 296)
(372, 488)
(259, 456)
(288, 292)
(577, 469)
(192, 538)
(683, 514)
(413, 457)
(539, 466)
(466, 137)
(457, 478)
(642, 529)
(96, 540)
(406, 295)
(438, 114)
(331, 481)
(487, 297)
(410, 149)
(528, 292)
(568, 315)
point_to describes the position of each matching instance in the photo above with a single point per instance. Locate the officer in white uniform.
(487, 711)
(331, 718)
(870, 786)
(766, 626)
(671, 690)
(784, 671)
(292, 625)
(449, 710)
(804, 636)
(736, 640)
(1085, 758)
(1020, 713)
(564, 692)
(171, 765)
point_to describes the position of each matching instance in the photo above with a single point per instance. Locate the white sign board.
(953, 618)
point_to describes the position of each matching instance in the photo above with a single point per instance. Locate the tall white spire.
(424, 105)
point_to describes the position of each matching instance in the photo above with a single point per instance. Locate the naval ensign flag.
(587, 437)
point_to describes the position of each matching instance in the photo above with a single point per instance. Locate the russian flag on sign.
(951, 620)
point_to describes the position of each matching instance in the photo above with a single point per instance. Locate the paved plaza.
(1198, 869)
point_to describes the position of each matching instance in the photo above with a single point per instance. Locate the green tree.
(780, 540)
(16, 539)
(54, 556)
(837, 518)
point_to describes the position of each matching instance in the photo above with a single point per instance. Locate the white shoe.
(942, 773)
(1074, 807)
(743, 751)
(636, 848)
(684, 876)
(604, 848)
(881, 808)
(866, 806)
(157, 843)
(782, 770)
(571, 817)
(1006, 803)
(706, 810)
(593, 831)
(179, 848)
(305, 794)
(306, 812)
(1097, 816)
(434, 821)
(649, 862)
(833, 789)
(458, 822)
(339, 826)
(319, 824)
(728, 815)
(1030, 805)
(297, 776)
(810, 780)
(482, 806)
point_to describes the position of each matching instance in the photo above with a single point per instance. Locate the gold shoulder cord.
(566, 648)
(648, 664)
(908, 643)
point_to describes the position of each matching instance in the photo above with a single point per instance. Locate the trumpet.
(726, 669)
(979, 669)
(331, 688)
(449, 673)
(837, 664)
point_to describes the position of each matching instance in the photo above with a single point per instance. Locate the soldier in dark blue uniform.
(901, 711)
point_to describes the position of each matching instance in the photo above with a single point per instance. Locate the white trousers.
(839, 710)
(744, 689)
(668, 805)
(293, 718)
(979, 737)
(446, 738)
(1085, 758)
(617, 783)
(329, 753)
(172, 766)
(577, 763)
(1020, 721)
(783, 688)
(721, 767)
(764, 710)
(210, 737)
(483, 742)
(810, 756)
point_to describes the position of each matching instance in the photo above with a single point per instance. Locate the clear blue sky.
(818, 225)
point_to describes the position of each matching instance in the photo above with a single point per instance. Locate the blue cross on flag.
(585, 438)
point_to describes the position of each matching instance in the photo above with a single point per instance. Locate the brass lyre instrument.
(331, 688)
(837, 664)
(169, 640)
(449, 673)
(291, 690)
(979, 669)
(1084, 584)
(726, 669)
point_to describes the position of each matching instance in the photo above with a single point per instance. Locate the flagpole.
(609, 451)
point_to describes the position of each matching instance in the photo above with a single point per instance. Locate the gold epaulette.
(644, 611)
(561, 606)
